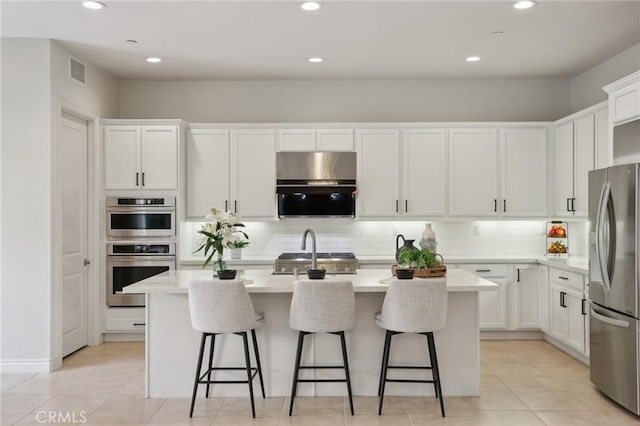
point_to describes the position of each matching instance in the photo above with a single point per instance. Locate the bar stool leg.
(436, 371)
(213, 342)
(296, 370)
(248, 362)
(257, 353)
(385, 362)
(198, 368)
(346, 368)
(386, 338)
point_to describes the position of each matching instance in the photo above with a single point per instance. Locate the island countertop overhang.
(262, 281)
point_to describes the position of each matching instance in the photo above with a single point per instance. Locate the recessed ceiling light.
(524, 4)
(132, 41)
(315, 59)
(154, 60)
(472, 58)
(497, 33)
(310, 6)
(94, 5)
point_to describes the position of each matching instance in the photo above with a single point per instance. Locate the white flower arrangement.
(223, 231)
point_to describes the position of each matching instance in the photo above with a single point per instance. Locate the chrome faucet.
(303, 246)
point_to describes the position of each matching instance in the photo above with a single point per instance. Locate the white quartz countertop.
(262, 281)
(579, 265)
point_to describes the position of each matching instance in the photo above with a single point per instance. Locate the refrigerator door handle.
(604, 199)
(610, 321)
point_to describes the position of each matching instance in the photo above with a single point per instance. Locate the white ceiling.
(237, 40)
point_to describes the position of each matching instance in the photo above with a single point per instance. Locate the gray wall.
(586, 88)
(339, 101)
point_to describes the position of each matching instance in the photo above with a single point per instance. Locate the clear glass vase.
(219, 264)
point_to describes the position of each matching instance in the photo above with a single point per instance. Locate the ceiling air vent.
(77, 70)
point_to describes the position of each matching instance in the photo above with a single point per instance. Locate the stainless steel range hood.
(316, 168)
(316, 184)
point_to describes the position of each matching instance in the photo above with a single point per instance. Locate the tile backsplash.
(377, 238)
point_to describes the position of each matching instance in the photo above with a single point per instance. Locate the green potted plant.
(236, 245)
(424, 262)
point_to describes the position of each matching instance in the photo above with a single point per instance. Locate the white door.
(525, 292)
(253, 173)
(208, 157)
(564, 169)
(473, 172)
(424, 166)
(378, 173)
(72, 172)
(584, 160)
(524, 172)
(121, 157)
(159, 157)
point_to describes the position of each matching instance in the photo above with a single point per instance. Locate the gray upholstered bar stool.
(220, 307)
(413, 306)
(320, 306)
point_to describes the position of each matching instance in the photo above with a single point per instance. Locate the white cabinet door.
(296, 140)
(378, 173)
(625, 103)
(603, 150)
(493, 306)
(334, 140)
(583, 148)
(576, 324)
(473, 172)
(543, 297)
(525, 293)
(424, 154)
(564, 169)
(253, 174)
(159, 157)
(207, 171)
(524, 172)
(121, 157)
(559, 324)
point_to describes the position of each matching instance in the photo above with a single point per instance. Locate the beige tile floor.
(523, 383)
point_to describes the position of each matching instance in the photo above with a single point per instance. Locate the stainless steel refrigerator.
(614, 196)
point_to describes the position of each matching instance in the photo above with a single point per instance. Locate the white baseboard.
(568, 350)
(36, 365)
(511, 335)
(124, 337)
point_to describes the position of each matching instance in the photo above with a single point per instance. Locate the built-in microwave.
(140, 217)
(316, 184)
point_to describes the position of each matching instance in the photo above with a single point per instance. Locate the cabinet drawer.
(486, 270)
(125, 325)
(566, 279)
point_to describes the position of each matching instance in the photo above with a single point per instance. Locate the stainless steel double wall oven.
(141, 235)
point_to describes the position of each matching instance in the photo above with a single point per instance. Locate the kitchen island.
(172, 345)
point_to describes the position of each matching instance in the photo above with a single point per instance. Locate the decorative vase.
(219, 264)
(405, 243)
(236, 253)
(428, 239)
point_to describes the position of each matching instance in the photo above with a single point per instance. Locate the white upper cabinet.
(253, 173)
(208, 170)
(473, 172)
(524, 172)
(424, 172)
(624, 98)
(575, 146)
(603, 147)
(158, 157)
(141, 157)
(315, 140)
(378, 164)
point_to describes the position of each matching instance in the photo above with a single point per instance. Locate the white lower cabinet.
(493, 304)
(124, 320)
(543, 297)
(525, 297)
(568, 309)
